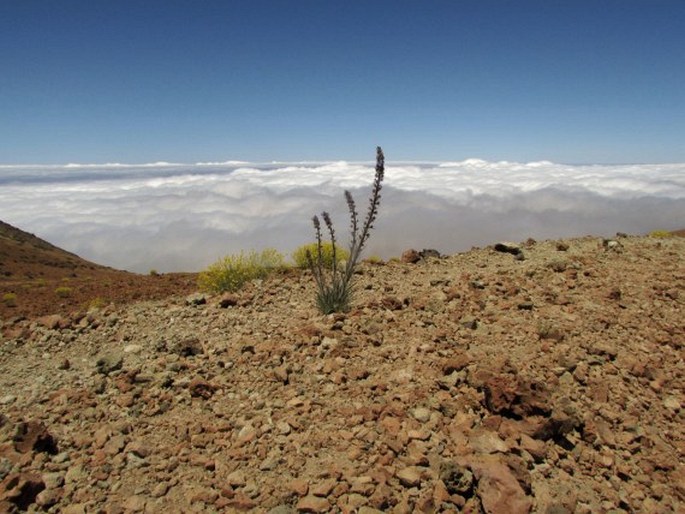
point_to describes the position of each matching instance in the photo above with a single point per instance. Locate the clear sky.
(592, 81)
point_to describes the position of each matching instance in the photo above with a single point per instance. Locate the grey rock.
(109, 363)
(457, 479)
(430, 252)
(507, 247)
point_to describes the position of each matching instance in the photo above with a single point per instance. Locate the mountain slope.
(38, 278)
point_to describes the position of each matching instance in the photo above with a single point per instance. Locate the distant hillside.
(23, 255)
(38, 278)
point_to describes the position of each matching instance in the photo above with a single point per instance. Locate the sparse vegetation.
(63, 291)
(327, 252)
(233, 271)
(96, 303)
(374, 259)
(9, 299)
(660, 234)
(154, 273)
(334, 284)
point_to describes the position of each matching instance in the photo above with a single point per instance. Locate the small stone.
(20, 488)
(457, 479)
(283, 427)
(507, 247)
(228, 300)
(420, 435)
(139, 449)
(281, 374)
(53, 321)
(486, 441)
(456, 363)
(7, 399)
(189, 347)
(240, 502)
(247, 434)
(430, 253)
(313, 504)
(49, 497)
(469, 322)
(299, 486)
(535, 447)
(53, 480)
(196, 299)
(115, 445)
(672, 403)
(410, 256)
(135, 503)
(34, 436)
(75, 474)
(160, 490)
(236, 478)
(133, 348)
(200, 388)
(499, 490)
(421, 414)
(410, 476)
(109, 363)
(268, 464)
(202, 494)
(324, 488)
(612, 244)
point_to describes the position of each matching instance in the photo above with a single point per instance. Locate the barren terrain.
(548, 380)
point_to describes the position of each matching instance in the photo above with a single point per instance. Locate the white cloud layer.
(180, 217)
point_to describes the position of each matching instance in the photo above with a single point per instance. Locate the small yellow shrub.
(63, 291)
(300, 254)
(9, 299)
(233, 271)
(660, 234)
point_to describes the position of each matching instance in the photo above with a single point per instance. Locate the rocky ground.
(547, 378)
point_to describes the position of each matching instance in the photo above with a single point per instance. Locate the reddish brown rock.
(299, 486)
(456, 363)
(200, 388)
(313, 504)
(410, 256)
(323, 488)
(34, 436)
(498, 489)
(20, 489)
(508, 394)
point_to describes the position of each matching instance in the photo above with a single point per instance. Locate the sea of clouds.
(182, 217)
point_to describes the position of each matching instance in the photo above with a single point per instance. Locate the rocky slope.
(549, 379)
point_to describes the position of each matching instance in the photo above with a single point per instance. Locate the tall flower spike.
(334, 294)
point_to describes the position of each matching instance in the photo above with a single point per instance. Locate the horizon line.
(236, 162)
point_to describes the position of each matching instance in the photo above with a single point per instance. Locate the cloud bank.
(182, 217)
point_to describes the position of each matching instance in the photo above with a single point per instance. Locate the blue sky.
(575, 81)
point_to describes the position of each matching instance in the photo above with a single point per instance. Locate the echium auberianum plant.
(334, 283)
